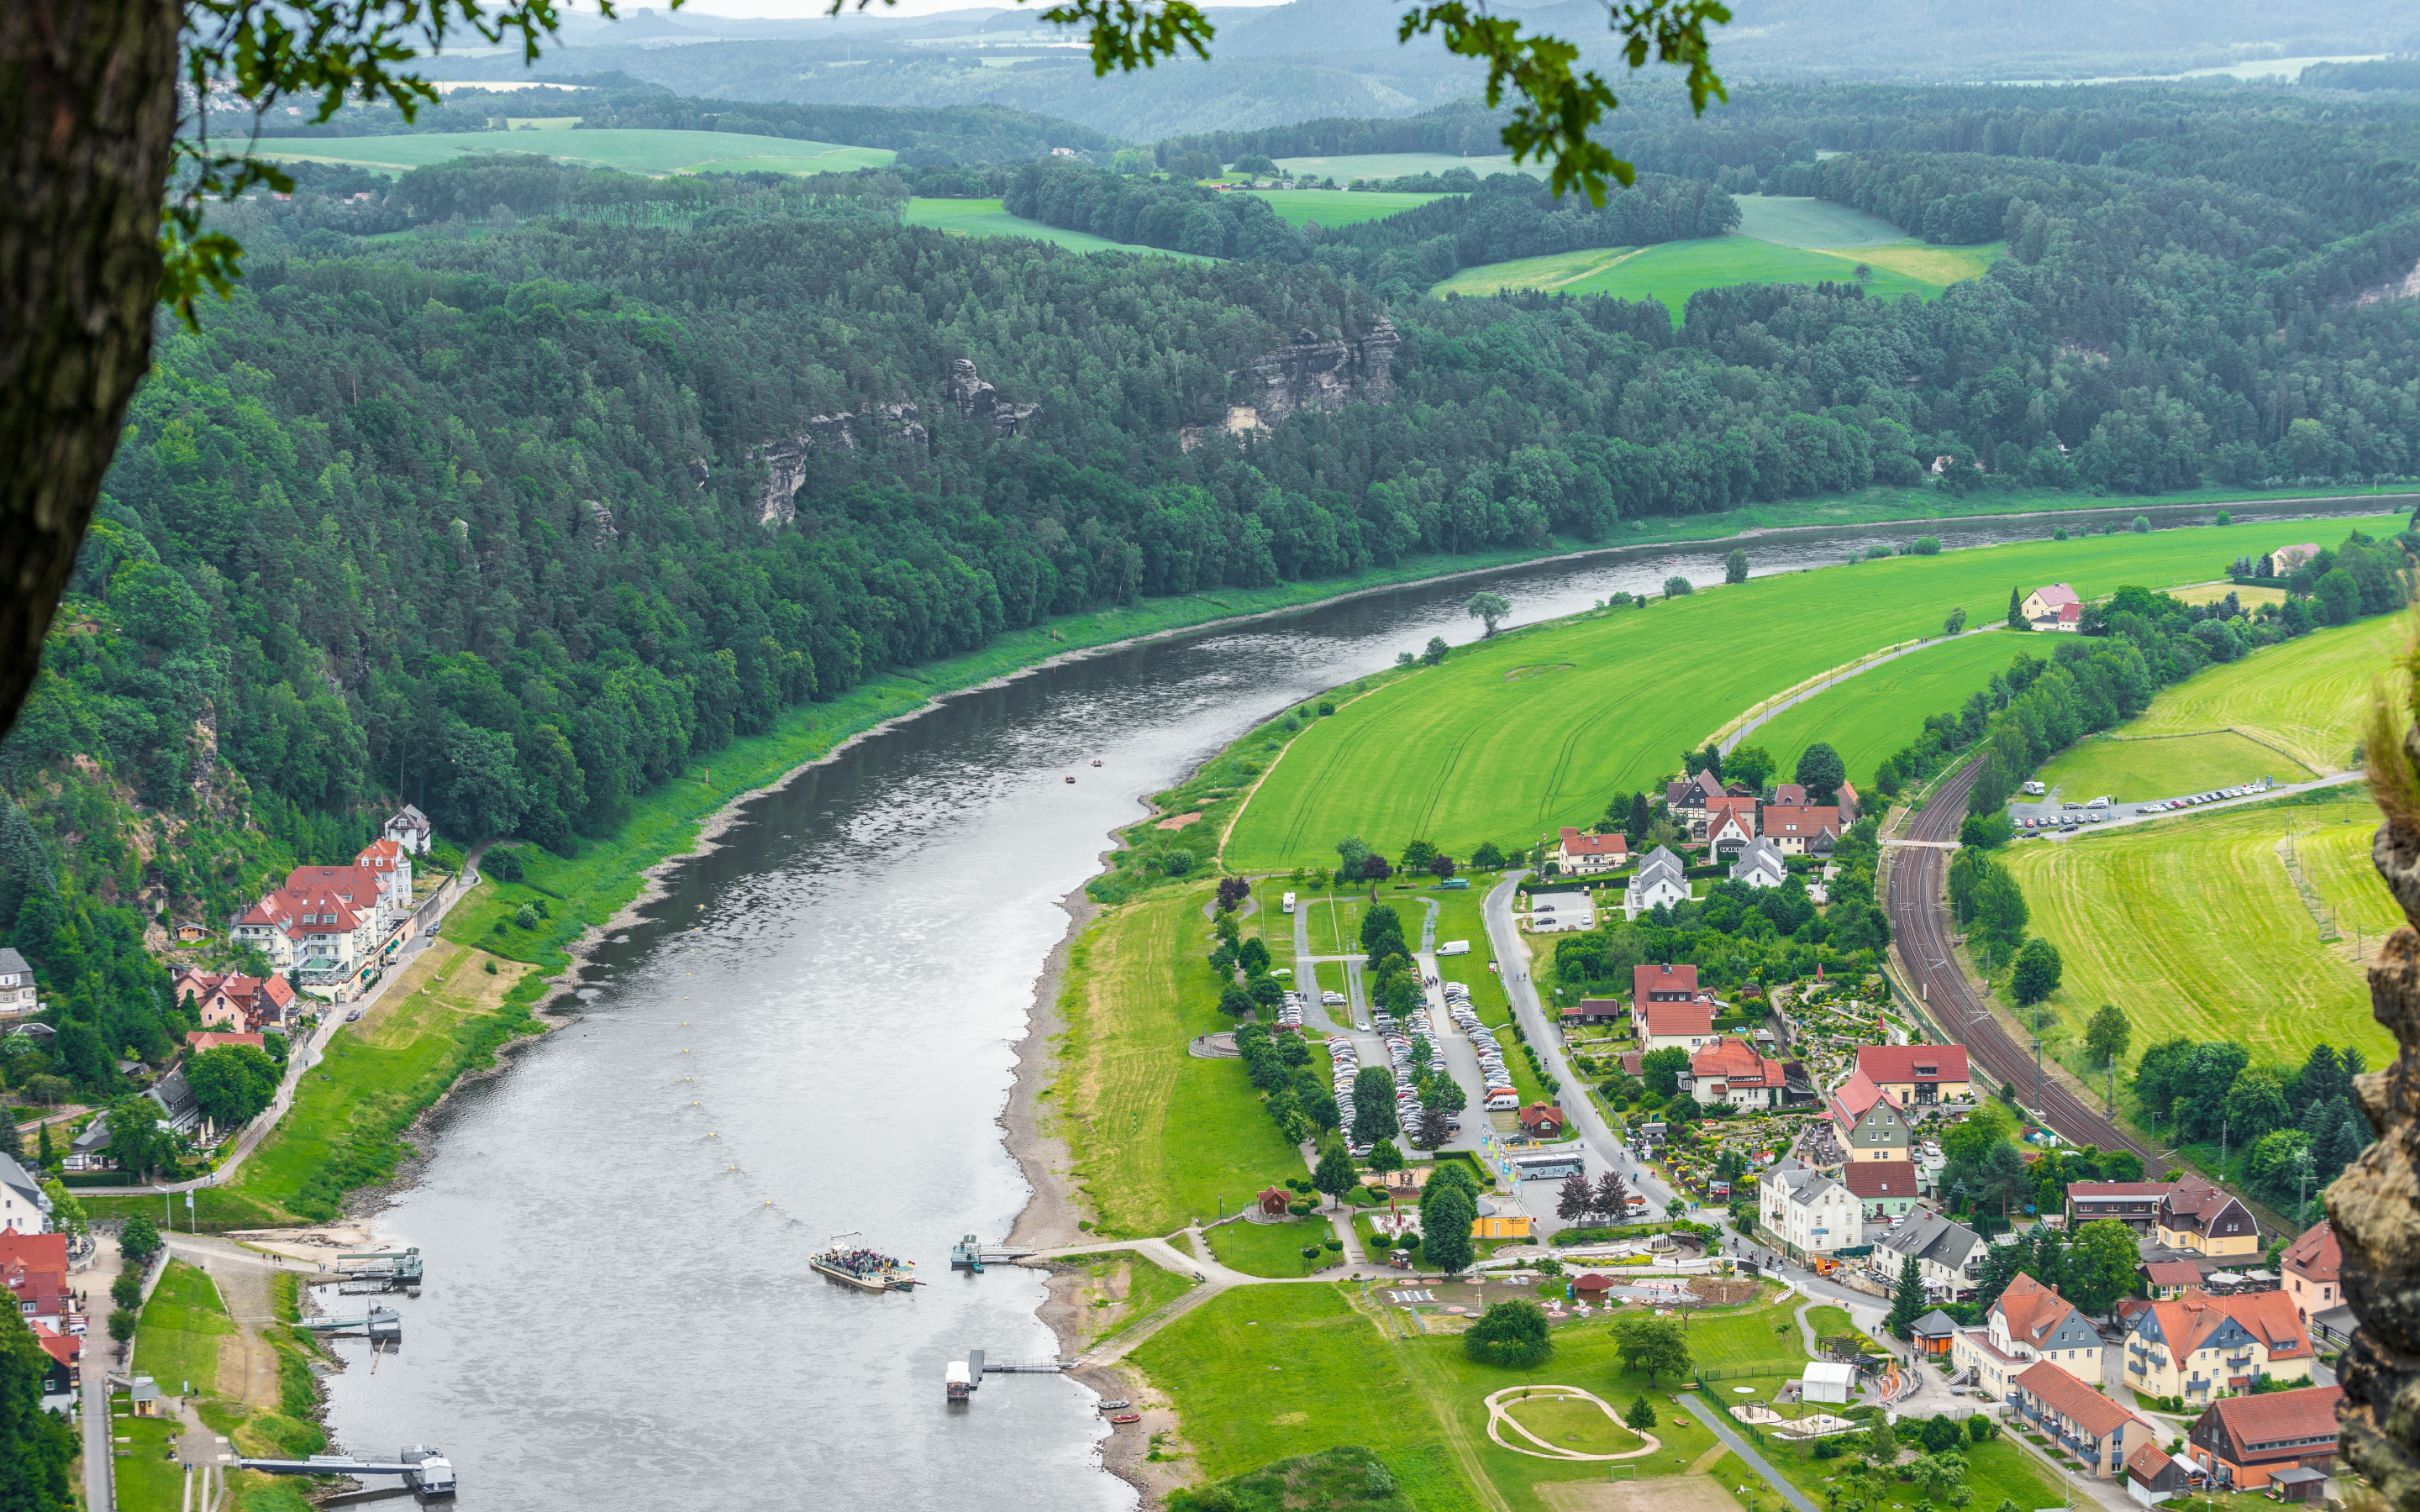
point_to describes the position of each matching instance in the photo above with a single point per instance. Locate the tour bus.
(1455, 948)
(1289, 902)
(1550, 1167)
(1455, 884)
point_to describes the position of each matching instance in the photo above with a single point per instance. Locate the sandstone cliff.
(785, 459)
(1311, 372)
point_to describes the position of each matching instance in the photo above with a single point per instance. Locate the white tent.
(1825, 1381)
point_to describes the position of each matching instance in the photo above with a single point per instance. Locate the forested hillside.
(487, 514)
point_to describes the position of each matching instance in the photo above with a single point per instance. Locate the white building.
(410, 829)
(1827, 1381)
(1760, 864)
(1807, 1212)
(22, 1206)
(1948, 1256)
(1661, 879)
(17, 990)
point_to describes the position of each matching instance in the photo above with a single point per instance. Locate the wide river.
(815, 1031)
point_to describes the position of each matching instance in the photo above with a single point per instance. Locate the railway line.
(1918, 904)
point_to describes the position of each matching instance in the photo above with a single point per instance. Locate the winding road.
(1917, 901)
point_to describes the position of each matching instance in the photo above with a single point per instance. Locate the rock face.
(1316, 371)
(978, 400)
(597, 524)
(785, 460)
(2375, 1206)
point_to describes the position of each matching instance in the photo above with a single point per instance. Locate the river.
(814, 1032)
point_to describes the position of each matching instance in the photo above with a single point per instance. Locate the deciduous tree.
(1653, 1345)
(1509, 1334)
(1489, 610)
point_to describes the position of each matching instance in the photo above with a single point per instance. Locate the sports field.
(2306, 696)
(1673, 270)
(1344, 169)
(1333, 208)
(1469, 752)
(1879, 712)
(984, 218)
(2134, 770)
(2194, 927)
(633, 150)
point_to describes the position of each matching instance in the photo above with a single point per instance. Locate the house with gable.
(2196, 1215)
(1730, 824)
(1761, 864)
(2054, 608)
(1730, 1072)
(2091, 1427)
(2032, 1322)
(1661, 880)
(410, 829)
(22, 1206)
(1886, 1188)
(1867, 1122)
(1807, 1212)
(1918, 1075)
(1668, 1011)
(2247, 1442)
(2282, 561)
(391, 864)
(1577, 854)
(1686, 800)
(246, 1006)
(1808, 831)
(18, 993)
(1948, 1256)
(2314, 1276)
(2198, 1347)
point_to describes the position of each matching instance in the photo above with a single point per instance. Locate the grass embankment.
(633, 150)
(1471, 751)
(1879, 712)
(178, 1344)
(149, 1476)
(1272, 1249)
(2195, 926)
(1121, 1288)
(1159, 1137)
(2289, 711)
(1264, 1373)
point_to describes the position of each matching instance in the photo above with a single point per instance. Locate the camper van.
(1455, 948)
(1289, 902)
(1505, 1102)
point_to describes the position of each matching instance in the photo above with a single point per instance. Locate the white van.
(2101, 802)
(1289, 902)
(1505, 1102)
(1455, 948)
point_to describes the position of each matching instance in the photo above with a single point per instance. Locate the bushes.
(1509, 1334)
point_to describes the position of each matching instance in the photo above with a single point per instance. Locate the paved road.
(2132, 814)
(1862, 668)
(1917, 901)
(1717, 1417)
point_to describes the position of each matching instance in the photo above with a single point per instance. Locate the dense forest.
(485, 515)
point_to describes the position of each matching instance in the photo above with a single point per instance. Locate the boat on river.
(850, 1261)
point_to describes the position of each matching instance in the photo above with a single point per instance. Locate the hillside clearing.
(1673, 270)
(1877, 713)
(984, 218)
(1800, 221)
(1331, 208)
(2131, 770)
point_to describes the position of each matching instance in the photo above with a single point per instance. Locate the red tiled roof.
(1875, 1179)
(64, 1348)
(2031, 1309)
(1889, 1063)
(2308, 1413)
(1679, 1019)
(1575, 844)
(1736, 1062)
(1856, 1097)
(2172, 1273)
(2084, 1191)
(2056, 595)
(1648, 979)
(2146, 1461)
(2269, 1316)
(1804, 823)
(201, 1039)
(36, 1252)
(1537, 1113)
(2317, 1255)
(1593, 1281)
(2070, 1399)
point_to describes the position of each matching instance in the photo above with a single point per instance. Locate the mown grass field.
(149, 1479)
(632, 151)
(2132, 769)
(2308, 696)
(1333, 208)
(1263, 1373)
(1672, 271)
(1159, 1137)
(984, 218)
(1879, 712)
(1271, 1249)
(1468, 752)
(1803, 221)
(2193, 927)
(178, 1340)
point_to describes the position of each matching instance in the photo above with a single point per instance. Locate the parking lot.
(2052, 815)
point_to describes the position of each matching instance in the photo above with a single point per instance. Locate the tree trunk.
(88, 109)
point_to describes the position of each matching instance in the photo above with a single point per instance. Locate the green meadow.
(1796, 220)
(984, 218)
(1475, 750)
(1879, 712)
(1344, 168)
(1333, 208)
(1672, 271)
(632, 150)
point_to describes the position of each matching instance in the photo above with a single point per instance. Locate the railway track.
(1918, 906)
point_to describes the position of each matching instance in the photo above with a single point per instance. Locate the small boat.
(1071, 781)
(1096, 764)
(1125, 1418)
(853, 1264)
(1111, 1407)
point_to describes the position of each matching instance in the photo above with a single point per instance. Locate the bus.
(1455, 884)
(1289, 902)
(1550, 1167)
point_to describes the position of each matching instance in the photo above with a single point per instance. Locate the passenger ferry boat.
(847, 1260)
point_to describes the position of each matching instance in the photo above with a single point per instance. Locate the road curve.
(1918, 904)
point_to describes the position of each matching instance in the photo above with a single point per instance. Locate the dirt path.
(247, 1361)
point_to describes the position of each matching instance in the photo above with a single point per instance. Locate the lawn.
(2193, 927)
(1470, 751)
(1673, 270)
(149, 1476)
(1799, 221)
(1331, 208)
(2132, 769)
(178, 1340)
(634, 150)
(1271, 1249)
(1879, 712)
(984, 218)
(1262, 1373)
(1159, 1137)
(1122, 1288)
(1344, 168)
(2307, 697)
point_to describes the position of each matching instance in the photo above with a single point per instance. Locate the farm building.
(2054, 608)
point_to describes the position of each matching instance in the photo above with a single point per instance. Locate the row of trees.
(2291, 1131)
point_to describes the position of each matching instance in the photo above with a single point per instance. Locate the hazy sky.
(801, 10)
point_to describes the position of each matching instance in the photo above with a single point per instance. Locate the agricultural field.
(2133, 768)
(1471, 751)
(1797, 221)
(1879, 712)
(1262, 1373)
(984, 218)
(632, 150)
(2195, 926)
(1333, 208)
(2307, 697)
(1346, 169)
(1158, 1136)
(1673, 270)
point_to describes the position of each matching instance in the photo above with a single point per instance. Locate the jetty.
(423, 1469)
